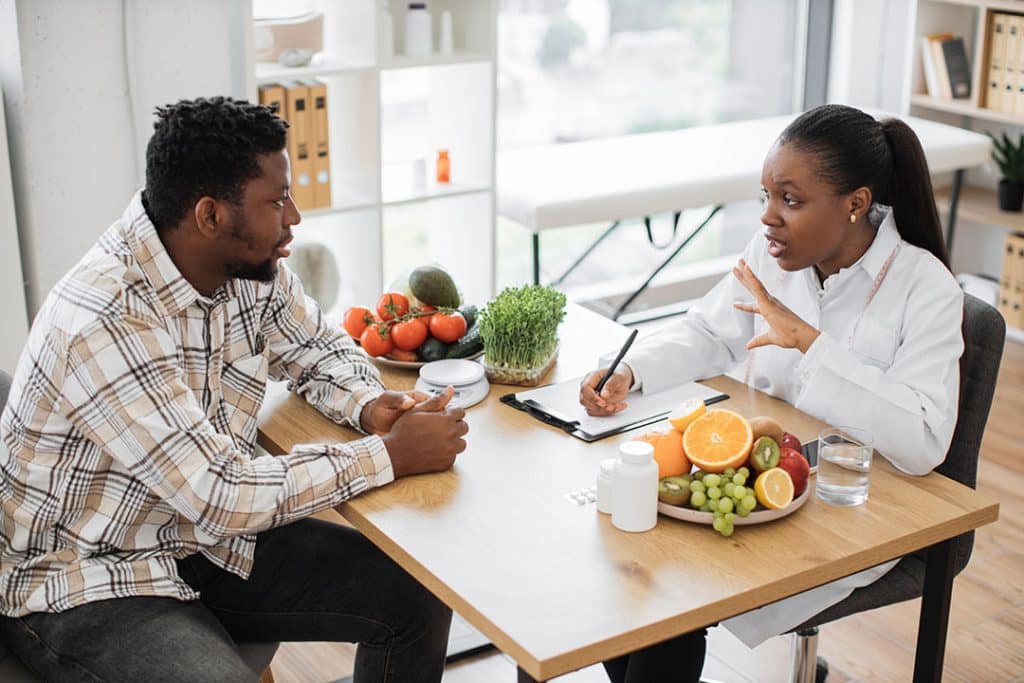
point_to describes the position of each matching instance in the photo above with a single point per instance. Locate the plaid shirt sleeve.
(124, 389)
(321, 361)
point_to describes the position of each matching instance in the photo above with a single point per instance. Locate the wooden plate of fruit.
(718, 468)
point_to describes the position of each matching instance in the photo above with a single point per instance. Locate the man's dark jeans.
(311, 581)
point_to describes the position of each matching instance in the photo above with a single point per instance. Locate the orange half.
(717, 440)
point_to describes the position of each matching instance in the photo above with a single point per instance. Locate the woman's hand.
(785, 328)
(612, 398)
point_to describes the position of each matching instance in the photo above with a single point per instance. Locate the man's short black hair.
(207, 147)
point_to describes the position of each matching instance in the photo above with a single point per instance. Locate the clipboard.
(558, 405)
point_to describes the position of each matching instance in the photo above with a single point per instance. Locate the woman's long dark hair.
(853, 150)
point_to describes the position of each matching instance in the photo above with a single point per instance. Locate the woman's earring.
(853, 218)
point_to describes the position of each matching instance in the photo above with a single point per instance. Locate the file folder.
(558, 405)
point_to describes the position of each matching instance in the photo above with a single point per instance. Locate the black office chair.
(984, 335)
(256, 655)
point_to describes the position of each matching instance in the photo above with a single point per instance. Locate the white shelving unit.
(387, 120)
(971, 19)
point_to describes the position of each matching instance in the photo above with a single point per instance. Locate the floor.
(986, 630)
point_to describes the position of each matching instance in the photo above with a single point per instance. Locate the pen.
(615, 363)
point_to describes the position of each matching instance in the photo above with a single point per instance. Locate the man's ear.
(860, 201)
(211, 217)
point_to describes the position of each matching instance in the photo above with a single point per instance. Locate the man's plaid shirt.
(131, 425)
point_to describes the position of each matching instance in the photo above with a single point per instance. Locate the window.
(572, 70)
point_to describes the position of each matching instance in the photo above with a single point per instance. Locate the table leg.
(682, 245)
(524, 677)
(934, 621)
(536, 258)
(954, 200)
(586, 253)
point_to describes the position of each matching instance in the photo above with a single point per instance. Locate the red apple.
(791, 441)
(796, 464)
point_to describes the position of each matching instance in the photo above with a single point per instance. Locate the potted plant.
(519, 328)
(1010, 159)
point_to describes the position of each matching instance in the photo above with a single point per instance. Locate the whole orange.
(668, 452)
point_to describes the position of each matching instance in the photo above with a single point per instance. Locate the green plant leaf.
(520, 326)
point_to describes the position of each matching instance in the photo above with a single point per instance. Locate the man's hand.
(612, 398)
(785, 328)
(380, 414)
(427, 437)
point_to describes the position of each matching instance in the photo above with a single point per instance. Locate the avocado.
(433, 286)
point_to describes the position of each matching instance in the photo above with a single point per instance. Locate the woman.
(855, 319)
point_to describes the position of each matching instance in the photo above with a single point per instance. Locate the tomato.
(356, 320)
(405, 356)
(448, 327)
(392, 305)
(375, 342)
(410, 335)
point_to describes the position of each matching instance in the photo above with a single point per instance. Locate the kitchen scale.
(465, 376)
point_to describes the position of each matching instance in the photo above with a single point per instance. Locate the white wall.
(12, 284)
(81, 79)
(868, 64)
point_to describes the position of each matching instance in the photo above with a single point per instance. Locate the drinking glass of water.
(844, 462)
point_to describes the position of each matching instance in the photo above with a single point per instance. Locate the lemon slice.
(774, 488)
(684, 415)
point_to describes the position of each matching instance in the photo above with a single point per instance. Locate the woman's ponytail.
(910, 193)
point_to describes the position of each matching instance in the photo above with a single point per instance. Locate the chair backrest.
(984, 334)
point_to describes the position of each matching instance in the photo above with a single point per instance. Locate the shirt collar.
(175, 292)
(871, 262)
(886, 239)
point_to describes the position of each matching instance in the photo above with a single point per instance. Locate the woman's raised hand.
(785, 328)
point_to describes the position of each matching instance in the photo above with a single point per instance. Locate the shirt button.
(762, 383)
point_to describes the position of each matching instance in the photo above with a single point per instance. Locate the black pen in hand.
(615, 363)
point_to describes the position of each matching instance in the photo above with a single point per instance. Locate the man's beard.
(265, 271)
(261, 272)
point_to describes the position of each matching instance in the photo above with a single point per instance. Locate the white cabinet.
(388, 119)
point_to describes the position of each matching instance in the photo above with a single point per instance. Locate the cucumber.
(470, 343)
(468, 312)
(432, 349)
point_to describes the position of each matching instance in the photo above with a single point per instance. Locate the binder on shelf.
(559, 406)
(272, 95)
(1011, 281)
(931, 77)
(1018, 91)
(935, 41)
(300, 144)
(996, 62)
(320, 148)
(958, 71)
(1011, 65)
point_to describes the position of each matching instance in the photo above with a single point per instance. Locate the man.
(140, 535)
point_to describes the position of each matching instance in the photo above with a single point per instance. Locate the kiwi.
(674, 490)
(766, 426)
(765, 454)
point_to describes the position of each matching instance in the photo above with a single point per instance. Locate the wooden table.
(557, 587)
